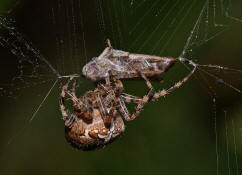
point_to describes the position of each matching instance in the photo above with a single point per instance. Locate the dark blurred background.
(175, 135)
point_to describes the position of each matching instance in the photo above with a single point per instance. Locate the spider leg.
(172, 88)
(141, 101)
(63, 109)
(81, 108)
(106, 115)
(107, 86)
(68, 118)
(108, 99)
(134, 99)
(72, 92)
(108, 91)
(61, 100)
(123, 109)
(131, 98)
(118, 87)
(149, 97)
(103, 106)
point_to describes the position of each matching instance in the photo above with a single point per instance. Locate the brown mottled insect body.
(125, 65)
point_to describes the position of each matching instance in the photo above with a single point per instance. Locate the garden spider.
(95, 120)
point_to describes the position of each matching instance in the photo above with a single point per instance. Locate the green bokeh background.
(174, 135)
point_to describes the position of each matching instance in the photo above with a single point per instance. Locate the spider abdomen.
(89, 136)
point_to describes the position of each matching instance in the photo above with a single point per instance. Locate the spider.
(95, 120)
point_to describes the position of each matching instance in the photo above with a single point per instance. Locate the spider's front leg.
(141, 101)
(68, 118)
(129, 98)
(107, 111)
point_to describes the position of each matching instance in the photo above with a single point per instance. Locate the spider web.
(156, 27)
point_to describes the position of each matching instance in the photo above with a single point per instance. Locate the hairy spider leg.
(141, 101)
(131, 98)
(134, 99)
(107, 89)
(72, 93)
(102, 107)
(174, 87)
(108, 115)
(102, 102)
(78, 104)
(68, 118)
(108, 100)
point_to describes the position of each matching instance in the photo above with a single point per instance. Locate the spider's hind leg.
(133, 99)
(164, 92)
(141, 102)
